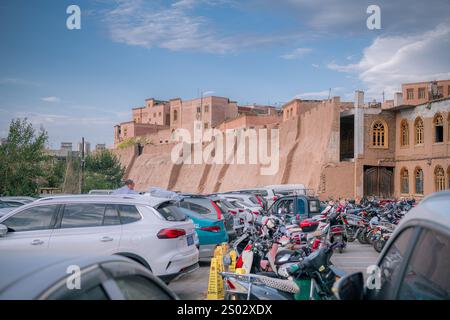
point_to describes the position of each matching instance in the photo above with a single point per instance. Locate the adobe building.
(394, 150)
(421, 92)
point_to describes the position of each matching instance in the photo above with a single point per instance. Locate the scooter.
(310, 279)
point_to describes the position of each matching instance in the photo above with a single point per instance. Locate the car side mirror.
(3, 230)
(350, 287)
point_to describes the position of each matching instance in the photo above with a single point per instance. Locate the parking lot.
(356, 257)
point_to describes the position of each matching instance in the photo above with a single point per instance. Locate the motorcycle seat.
(279, 284)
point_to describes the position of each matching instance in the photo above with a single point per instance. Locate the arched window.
(404, 181)
(404, 133)
(175, 115)
(418, 173)
(438, 128)
(448, 124)
(439, 178)
(379, 134)
(418, 127)
(448, 177)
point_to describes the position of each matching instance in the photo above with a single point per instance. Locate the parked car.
(141, 228)
(209, 206)
(261, 195)
(296, 207)
(46, 277)
(247, 198)
(16, 201)
(210, 231)
(5, 208)
(415, 262)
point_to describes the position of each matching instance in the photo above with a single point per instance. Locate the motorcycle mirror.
(350, 287)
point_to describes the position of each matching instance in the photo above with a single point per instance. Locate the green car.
(210, 231)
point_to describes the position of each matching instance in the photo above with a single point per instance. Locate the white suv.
(150, 231)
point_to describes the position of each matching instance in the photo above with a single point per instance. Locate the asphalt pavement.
(356, 257)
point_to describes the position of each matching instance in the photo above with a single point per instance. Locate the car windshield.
(170, 212)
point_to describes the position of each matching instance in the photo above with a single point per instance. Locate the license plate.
(190, 239)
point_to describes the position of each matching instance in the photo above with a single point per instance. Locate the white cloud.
(176, 27)
(392, 60)
(315, 65)
(51, 99)
(296, 53)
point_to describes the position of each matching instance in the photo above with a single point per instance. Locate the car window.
(95, 293)
(13, 203)
(128, 213)
(35, 218)
(199, 209)
(285, 207)
(301, 208)
(111, 216)
(78, 215)
(141, 288)
(391, 265)
(170, 212)
(184, 204)
(314, 206)
(427, 274)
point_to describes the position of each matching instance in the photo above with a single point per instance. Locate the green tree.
(21, 159)
(102, 171)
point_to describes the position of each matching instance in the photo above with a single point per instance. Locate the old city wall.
(307, 144)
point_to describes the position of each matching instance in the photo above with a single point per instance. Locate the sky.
(77, 83)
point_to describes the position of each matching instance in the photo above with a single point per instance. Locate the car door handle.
(37, 242)
(106, 239)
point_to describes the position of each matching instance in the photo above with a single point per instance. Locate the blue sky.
(81, 82)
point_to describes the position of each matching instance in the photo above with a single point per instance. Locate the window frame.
(53, 222)
(404, 133)
(408, 91)
(441, 182)
(419, 135)
(404, 176)
(379, 138)
(438, 121)
(415, 181)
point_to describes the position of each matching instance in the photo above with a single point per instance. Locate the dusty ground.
(356, 257)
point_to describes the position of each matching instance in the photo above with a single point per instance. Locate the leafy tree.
(102, 171)
(21, 159)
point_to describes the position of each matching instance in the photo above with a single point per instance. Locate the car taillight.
(297, 217)
(219, 213)
(171, 233)
(233, 212)
(275, 198)
(255, 212)
(211, 229)
(259, 200)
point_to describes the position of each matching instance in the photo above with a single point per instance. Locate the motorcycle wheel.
(362, 238)
(378, 245)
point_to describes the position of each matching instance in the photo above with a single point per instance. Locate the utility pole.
(82, 166)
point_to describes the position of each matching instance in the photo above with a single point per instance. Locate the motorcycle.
(310, 279)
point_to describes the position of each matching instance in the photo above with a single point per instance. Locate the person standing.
(128, 188)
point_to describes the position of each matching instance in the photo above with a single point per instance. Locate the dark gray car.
(55, 277)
